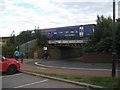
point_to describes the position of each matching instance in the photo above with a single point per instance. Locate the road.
(21, 80)
(73, 64)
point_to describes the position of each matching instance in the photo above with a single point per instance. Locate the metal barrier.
(28, 45)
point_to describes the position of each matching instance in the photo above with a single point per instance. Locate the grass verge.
(106, 82)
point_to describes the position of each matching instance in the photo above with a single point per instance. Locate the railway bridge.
(57, 49)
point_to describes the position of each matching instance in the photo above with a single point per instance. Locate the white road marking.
(43, 65)
(31, 83)
(11, 75)
(74, 68)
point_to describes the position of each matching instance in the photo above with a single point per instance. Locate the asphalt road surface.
(21, 80)
(75, 65)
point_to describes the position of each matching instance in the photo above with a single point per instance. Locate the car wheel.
(11, 69)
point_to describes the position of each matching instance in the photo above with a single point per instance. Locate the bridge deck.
(66, 41)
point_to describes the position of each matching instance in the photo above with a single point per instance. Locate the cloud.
(22, 15)
(83, 0)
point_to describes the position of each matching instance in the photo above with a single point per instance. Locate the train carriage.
(70, 31)
(67, 31)
(48, 32)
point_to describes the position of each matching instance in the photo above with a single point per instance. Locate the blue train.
(70, 31)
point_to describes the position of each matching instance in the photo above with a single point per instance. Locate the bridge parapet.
(66, 41)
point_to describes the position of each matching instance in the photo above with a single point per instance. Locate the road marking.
(11, 75)
(90, 69)
(31, 83)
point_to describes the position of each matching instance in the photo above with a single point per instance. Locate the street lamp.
(113, 43)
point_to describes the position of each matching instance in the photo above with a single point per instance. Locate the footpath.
(35, 68)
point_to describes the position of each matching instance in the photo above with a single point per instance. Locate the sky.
(119, 9)
(22, 15)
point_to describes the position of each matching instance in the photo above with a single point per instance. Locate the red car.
(10, 66)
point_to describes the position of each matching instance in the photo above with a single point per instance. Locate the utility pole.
(113, 43)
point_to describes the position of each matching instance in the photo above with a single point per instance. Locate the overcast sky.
(21, 15)
(119, 9)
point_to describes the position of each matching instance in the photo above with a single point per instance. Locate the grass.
(106, 82)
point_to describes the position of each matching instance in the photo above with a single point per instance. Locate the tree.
(118, 36)
(23, 37)
(118, 20)
(9, 48)
(101, 40)
(42, 39)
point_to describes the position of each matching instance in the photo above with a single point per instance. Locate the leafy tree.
(23, 37)
(8, 49)
(101, 40)
(118, 20)
(42, 39)
(118, 36)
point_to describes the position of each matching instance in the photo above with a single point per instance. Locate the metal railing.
(28, 45)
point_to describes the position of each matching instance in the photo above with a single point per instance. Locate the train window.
(49, 32)
(60, 32)
(76, 31)
(81, 27)
(66, 31)
(72, 31)
(81, 31)
(55, 32)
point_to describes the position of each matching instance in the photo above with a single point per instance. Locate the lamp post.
(113, 43)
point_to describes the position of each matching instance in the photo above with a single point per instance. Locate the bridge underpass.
(57, 49)
(65, 52)
(65, 49)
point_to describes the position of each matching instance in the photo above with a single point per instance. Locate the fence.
(28, 45)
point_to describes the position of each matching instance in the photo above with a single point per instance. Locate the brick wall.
(97, 57)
